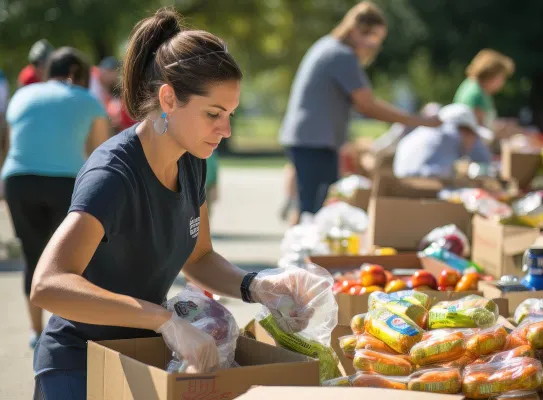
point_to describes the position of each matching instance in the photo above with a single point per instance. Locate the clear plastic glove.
(195, 347)
(298, 298)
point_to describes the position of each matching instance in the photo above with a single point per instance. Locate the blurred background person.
(486, 76)
(103, 78)
(329, 82)
(4, 100)
(433, 152)
(52, 126)
(34, 72)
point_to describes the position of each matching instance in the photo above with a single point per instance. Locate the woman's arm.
(365, 103)
(59, 287)
(210, 270)
(99, 133)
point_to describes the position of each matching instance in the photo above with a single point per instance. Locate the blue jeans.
(316, 170)
(61, 385)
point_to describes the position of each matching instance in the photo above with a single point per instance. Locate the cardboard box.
(499, 248)
(403, 211)
(408, 260)
(522, 167)
(343, 393)
(490, 291)
(134, 369)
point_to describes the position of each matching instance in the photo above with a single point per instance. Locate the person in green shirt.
(486, 76)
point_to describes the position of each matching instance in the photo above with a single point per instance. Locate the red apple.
(423, 278)
(373, 275)
(390, 276)
(449, 277)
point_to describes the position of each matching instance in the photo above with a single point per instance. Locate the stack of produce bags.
(452, 347)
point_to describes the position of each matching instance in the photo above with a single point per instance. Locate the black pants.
(38, 204)
(316, 170)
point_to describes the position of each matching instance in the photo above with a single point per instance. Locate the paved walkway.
(246, 231)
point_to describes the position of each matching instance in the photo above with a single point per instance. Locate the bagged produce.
(528, 308)
(399, 333)
(530, 332)
(341, 381)
(209, 316)
(312, 338)
(379, 299)
(489, 380)
(381, 363)
(357, 324)
(469, 312)
(436, 380)
(416, 313)
(449, 237)
(519, 395)
(439, 346)
(521, 351)
(461, 362)
(348, 344)
(487, 341)
(378, 381)
(369, 342)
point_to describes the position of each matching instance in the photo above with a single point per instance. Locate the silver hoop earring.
(161, 124)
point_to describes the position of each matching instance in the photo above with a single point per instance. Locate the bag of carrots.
(521, 351)
(530, 332)
(436, 380)
(368, 342)
(348, 345)
(357, 323)
(378, 381)
(487, 341)
(416, 313)
(440, 346)
(528, 308)
(484, 381)
(399, 333)
(380, 299)
(381, 363)
(469, 312)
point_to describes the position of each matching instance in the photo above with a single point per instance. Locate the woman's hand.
(291, 294)
(190, 344)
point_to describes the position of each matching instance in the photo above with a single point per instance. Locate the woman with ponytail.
(139, 214)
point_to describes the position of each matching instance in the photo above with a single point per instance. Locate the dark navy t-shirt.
(150, 232)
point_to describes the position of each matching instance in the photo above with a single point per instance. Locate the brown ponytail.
(160, 52)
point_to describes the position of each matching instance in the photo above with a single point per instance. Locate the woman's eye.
(213, 116)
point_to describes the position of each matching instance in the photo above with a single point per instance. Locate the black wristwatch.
(245, 285)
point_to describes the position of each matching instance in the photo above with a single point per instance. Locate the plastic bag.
(528, 308)
(346, 187)
(209, 316)
(399, 333)
(482, 202)
(378, 381)
(368, 342)
(521, 351)
(487, 341)
(441, 346)
(341, 215)
(382, 363)
(416, 313)
(436, 380)
(338, 382)
(357, 324)
(380, 299)
(488, 380)
(314, 339)
(530, 332)
(529, 209)
(449, 237)
(347, 344)
(469, 312)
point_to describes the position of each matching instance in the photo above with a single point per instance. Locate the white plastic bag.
(341, 215)
(303, 312)
(209, 316)
(448, 234)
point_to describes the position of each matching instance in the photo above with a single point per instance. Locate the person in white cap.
(432, 152)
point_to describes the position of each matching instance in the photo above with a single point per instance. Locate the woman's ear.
(167, 99)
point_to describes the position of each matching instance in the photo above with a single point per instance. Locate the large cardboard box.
(519, 166)
(402, 211)
(134, 369)
(499, 248)
(490, 291)
(343, 393)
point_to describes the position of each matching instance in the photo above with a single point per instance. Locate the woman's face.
(204, 121)
(367, 44)
(495, 84)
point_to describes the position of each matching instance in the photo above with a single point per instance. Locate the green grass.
(252, 162)
(261, 133)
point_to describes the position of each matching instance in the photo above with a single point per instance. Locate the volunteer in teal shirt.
(52, 127)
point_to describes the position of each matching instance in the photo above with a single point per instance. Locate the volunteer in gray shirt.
(329, 81)
(139, 214)
(432, 152)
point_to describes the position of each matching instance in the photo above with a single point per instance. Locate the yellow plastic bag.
(469, 312)
(399, 333)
